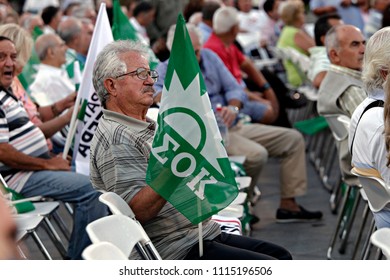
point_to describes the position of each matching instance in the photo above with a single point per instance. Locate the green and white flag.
(91, 110)
(188, 165)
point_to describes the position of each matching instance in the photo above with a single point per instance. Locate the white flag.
(91, 110)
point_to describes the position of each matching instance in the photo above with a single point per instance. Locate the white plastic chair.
(381, 239)
(48, 210)
(234, 211)
(377, 192)
(103, 251)
(120, 230)
(27, 226)
(118, 206)
(243, 182)
(339, 125)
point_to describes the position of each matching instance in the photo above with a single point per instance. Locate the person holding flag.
(122, 149)
(254, 141)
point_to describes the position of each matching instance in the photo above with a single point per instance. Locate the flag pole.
(200, 227)
(72, 124)
(200, 230)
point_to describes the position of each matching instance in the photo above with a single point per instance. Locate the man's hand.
(228, 116)
(257, 96)
(58, 163)
(67, 102)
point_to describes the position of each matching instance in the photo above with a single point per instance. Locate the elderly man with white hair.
(255, 141)
(52, 82)
(342, 91)
(120, 152)
(366, 138)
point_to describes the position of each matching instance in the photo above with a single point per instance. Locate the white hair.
(192, 29)
(224, 19)
(376, 58)
(110, 65)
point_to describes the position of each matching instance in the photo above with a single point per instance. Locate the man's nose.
(10, 61)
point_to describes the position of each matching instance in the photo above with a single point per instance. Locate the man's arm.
(17, 160)
(146, 204)
(268, 94)
(351, 98)
(49, 128)
(50, 112)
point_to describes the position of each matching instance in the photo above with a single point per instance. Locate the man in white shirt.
(52, 82)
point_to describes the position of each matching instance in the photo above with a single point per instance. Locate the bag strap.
(376, 103)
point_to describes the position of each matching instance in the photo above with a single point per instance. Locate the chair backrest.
(116, 204)
(339, 125)
(103, 251)
(120, 207)
(377, 192)
(381, 239)
(120, 230)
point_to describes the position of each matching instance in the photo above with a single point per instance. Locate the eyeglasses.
(142, 74)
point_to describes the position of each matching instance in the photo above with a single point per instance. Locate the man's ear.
(334, 56)
(110, 86)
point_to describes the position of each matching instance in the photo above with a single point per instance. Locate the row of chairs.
(129, 233)
(345, 199)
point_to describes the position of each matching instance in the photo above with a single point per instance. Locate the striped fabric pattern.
(119, 158)
(17, 130)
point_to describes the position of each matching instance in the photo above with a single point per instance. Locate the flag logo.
(188, 165)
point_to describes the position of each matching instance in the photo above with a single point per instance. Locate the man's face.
(196, 44)
(245, 5)
(274, 14)
(7, 63)
(7, 232)
(380, 5)
(131, 93)
(59, 51)
(87, 31)
(352, 47)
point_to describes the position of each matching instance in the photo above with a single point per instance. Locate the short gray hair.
(44, 43)
(109, 64)
(69, 29)
(192, 29)
(332, 40)
(376, 58)
(224, 19)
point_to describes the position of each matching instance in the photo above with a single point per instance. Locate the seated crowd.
(40, 44)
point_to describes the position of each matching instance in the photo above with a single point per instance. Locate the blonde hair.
(22, 40)
(290, 11)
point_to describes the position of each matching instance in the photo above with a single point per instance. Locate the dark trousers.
(235, 247)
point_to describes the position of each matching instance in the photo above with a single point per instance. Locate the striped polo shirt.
(17, 130)
(120, 152)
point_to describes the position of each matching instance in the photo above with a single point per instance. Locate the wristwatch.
(234, 109)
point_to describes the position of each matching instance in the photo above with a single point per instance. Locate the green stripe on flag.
(176, 61)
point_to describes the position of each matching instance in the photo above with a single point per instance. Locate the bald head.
(51, 49)
(70, 31)
(345, 46)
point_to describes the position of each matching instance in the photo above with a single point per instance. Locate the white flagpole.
(72, 125)
(200, 227)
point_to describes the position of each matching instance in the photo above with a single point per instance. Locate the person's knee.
(296, 139)
(258, 157)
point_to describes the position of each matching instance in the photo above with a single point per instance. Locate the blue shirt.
(221, 85)
(350, 15)
(205, 30)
